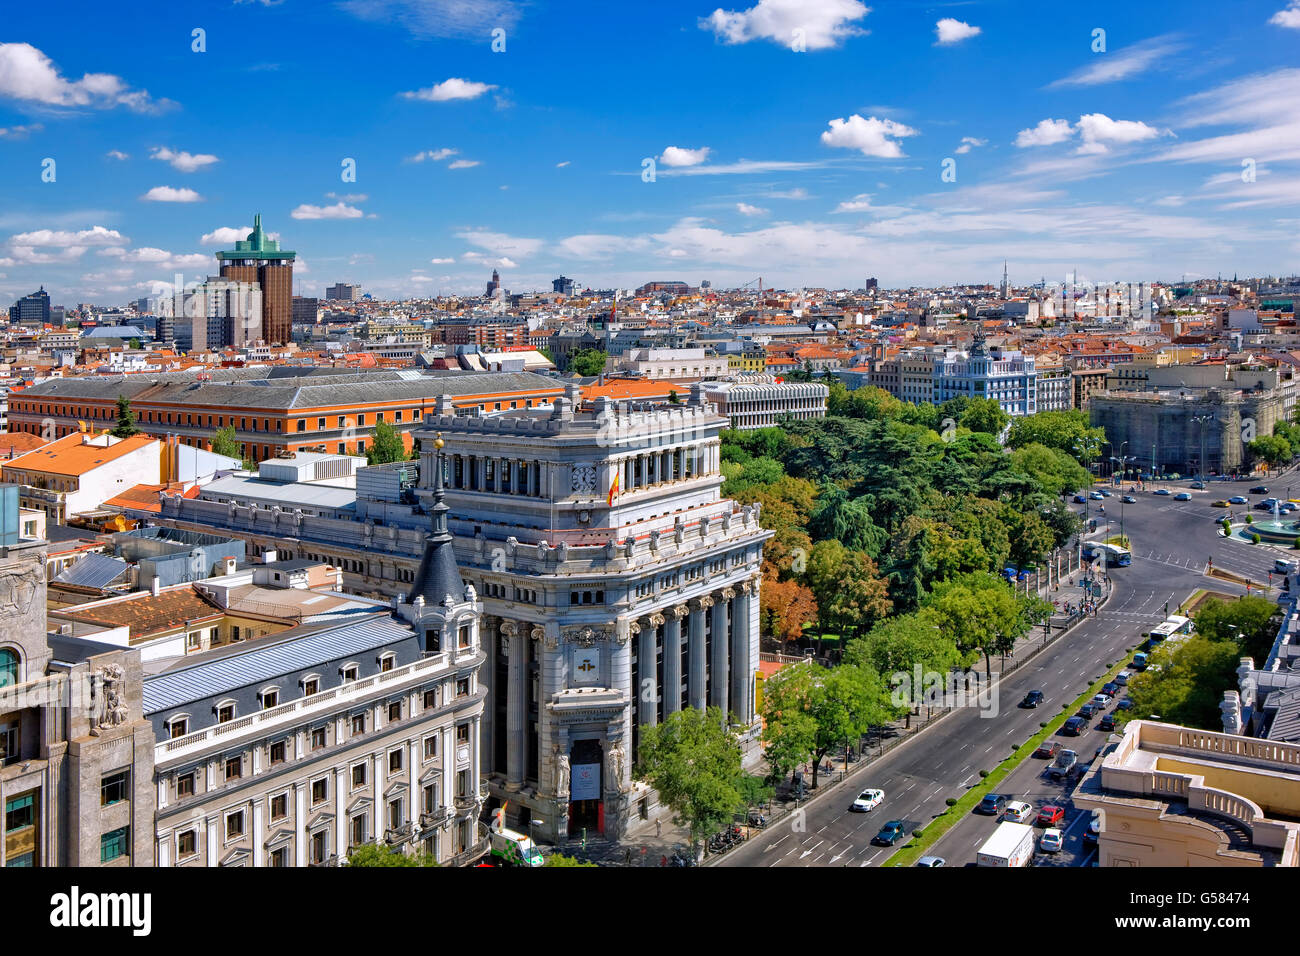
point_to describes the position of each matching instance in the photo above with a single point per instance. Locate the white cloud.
(970, 142)
(1121, 64)
(745, 209)
(563, 164)
(224, 235)
(599, 246)
(28, 74)
(797, 193)
(432, 155)
(185, 162)
(19, 132)
(682, 156)
(1169, 201)
(461, 18)
(1046, 133)
(343, 197)
(501, 262)
(871, 136)
(442, 262)
(96, 236)
(340, 210)
(742, 167)
(1288, 16)
(859, 203)
(116, 154)
(823, 23)
(463, 164)
(168, 194)
(501, 244)
(949, 31)
(1098, 129)
(452, 89)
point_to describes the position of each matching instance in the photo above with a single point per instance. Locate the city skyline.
(1167, 154)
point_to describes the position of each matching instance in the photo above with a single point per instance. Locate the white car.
(868, 800)
(1051, 841)
(1101, 701)
(1122, 677)
(1017, 812)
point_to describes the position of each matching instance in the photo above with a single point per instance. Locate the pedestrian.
(627, 857)
(663, 860)
(659, 828)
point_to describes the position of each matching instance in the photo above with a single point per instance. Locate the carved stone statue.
(115, 711)
(628, 545)
(562, 777)
(614, 768)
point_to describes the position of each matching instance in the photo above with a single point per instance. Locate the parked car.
(992, 805)
(1032, 699)
(1129, 500)
(930, 861)
(1091, 834)
(1101, 702)
(1122, 678)
(1051, 841)
(1239, 500)
(1064, 764)
(867, 800)
(1105, 492)
(1107, 723)
(1088, 711)
(1047, 749)
(1162, 491)
(890, 833)
(1182, 496)
(1124, 704)
(1110, 689)
(1074, 726)
(1017, 811)
(1050, 815)
(1259, 490)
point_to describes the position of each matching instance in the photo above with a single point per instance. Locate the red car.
(1047, 749)
(1050, 816)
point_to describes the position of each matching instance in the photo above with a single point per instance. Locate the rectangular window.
(279, 806)
(394, 711)
(320, 844)
(395, 761)
(462, 687)
(317, 738)
(270, 698)
(234, 768)
(277, 752)
(114, 844)
(462, 636)
(358, 830)
(278, 857)
(430, 803)
(395, 815)
(430, 747)
(359, 724)
(185, 785)
(430, 699)
(320, 424)
(20, 813)
(386, 664)
(302, 424)
(462, 733)
(310, 686)
(319, 791)
(114, 788)
(350, 672)
(187, 844)
(225, 713)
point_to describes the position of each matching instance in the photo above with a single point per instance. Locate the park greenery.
(1185, 679)
(587, 362)
(126, 426)
(376, 854)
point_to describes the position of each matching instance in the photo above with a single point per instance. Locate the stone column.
(672, 689)
(259, 834)
(718, 695)
(515, 703)
(342, 780)
(648, 692)
(698, 666)
(740, 664)
(300, 824)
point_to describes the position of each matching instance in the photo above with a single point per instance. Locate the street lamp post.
(1202, 420)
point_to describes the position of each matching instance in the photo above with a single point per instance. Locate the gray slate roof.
(213, 677)
(94, 571)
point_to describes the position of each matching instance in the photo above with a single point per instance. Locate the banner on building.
(586, 782)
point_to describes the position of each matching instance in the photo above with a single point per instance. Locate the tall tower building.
(261, 260)
(1006, 281)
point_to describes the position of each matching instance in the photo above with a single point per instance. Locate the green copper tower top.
(257, 246)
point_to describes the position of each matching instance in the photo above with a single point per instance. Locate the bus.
(1115, 556)
(1175, 626)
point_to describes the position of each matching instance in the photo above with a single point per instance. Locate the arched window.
(8, 667)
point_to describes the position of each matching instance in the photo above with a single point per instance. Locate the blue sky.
(1175, 150)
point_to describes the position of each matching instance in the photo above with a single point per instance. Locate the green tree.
(225, 443)
(984, 415)
(374, 854)
(901, 644)
(982, 615)
(125, 426)
(810, 711)
(547, 354)
(693, 761)
(1250, 622)
(559, 859)
(1064, 431)
(1184, 682)
(385, 445)
(588, 362)
(1274, 450)
(134, 344)
(673, 398)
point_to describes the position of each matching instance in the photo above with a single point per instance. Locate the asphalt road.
(1172, 543)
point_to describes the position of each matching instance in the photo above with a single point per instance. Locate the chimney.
(228, 565)
(155, 587)
(270, 557)
(1231, 712)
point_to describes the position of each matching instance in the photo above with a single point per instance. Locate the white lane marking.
(773, 846)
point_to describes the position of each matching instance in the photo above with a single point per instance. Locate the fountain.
(1274, 531)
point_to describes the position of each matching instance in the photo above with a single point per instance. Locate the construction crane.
(758, 280)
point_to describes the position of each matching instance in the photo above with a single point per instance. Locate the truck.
(514, 848)
(1064, 765)
(1012, 844)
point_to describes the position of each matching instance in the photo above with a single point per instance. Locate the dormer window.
(349, 672)
(463, 636)
(178, 726)
(270, 697)
(310, 685)
(225, 711)
(386, 662)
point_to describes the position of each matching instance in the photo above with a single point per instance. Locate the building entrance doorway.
(586, 808)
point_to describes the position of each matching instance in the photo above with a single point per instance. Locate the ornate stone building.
(618, 587)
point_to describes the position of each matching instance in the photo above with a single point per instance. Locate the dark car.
(1110, 689)
(1088, 710)
(890, 833)
(1079, 499)
(1032, 699)
(1074, 726)
(993, 804)
(1107, 723)
(1048, 749)
(1124, 704)
(1259, 490)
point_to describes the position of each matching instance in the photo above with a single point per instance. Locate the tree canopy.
(693, 761)
(125, 426)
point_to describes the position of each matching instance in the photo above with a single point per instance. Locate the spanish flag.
(613, 490)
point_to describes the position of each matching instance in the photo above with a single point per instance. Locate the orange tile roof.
(13, 444)
(138, 498)
(619, 389)
(147, 615)
(69, 456)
